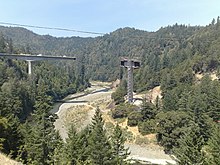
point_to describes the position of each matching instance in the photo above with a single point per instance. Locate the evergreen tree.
(121, 91)
(147, 110)
(189, 151)
(84, 150)
(3, 132)
(99, 145)
(213, 152)
(2, 43)
(120, 153)
(157, 104)
(72, 147)
(171, 126)
(170, 99)
(14, 139)
(41, 140)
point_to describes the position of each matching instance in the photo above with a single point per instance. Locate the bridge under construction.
(30, 58)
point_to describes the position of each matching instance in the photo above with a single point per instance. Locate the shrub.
(122, 110)
(134, 117)
(147, 127)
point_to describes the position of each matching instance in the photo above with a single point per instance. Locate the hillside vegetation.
(185, 118)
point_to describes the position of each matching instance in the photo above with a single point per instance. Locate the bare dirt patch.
(80, 110)
(212, 75)
(150, 95)
(81, 107)
(4, 160)
(78, 115)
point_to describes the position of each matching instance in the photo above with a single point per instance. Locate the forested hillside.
(185, 119)
(26, 102)
(165, 48)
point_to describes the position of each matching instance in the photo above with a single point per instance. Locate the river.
(90, 99)
(100, 94)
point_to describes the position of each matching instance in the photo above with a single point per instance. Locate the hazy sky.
(105, 16)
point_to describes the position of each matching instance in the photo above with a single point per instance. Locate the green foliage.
(123, 110)
(3, 130)
(147, 110)
(40, 139)
(10, 135)
(99, 146)
(92, 145)
(72, 147)
(134, 118)
(189, 151)
(171, 126)
(21, 94)
(120, 153)
(147, 127)
(172, 64)
(213, 150)
(118, 95)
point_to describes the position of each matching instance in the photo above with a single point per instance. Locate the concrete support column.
(130, 64)
(29, 67)
(130, 81)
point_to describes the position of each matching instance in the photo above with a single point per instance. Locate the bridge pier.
(29, 66)
(130, 64)
(30, 58)
(130, 82)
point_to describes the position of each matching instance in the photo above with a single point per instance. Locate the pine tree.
(41, 140)
(120, 153)
(2, 43)
(157, 104)
(72, 146)
(3, 132)
(83, 141)
(189, 151)
(147, 110)
(14, 139)
(213, 147)
(99, 145)
(10, 135)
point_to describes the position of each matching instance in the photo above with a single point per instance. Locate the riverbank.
(79, 108)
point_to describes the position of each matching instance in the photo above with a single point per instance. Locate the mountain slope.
(100, 57)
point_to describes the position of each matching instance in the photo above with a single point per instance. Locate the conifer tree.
(189, 151)
(213, 146)
(3, 132)
(120, 153)
(99, 145)
(72, 146)
(147, 110)
(2, 43)
(41, 140)
(83, 141)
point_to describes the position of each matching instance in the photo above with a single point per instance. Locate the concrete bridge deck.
(29, 58)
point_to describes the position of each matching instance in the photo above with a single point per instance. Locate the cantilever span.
(29, 58)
